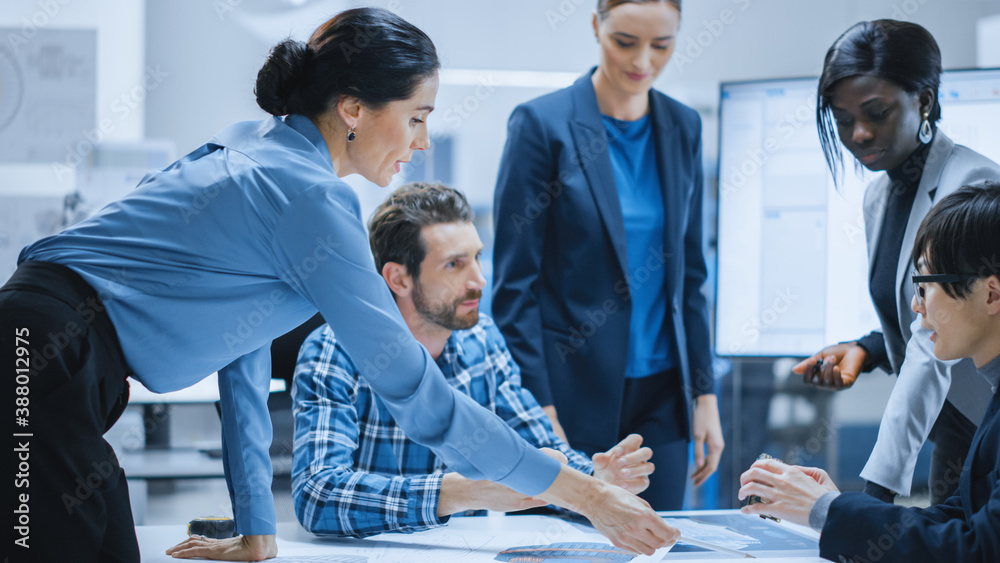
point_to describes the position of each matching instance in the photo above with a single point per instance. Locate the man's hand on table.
(626, 465)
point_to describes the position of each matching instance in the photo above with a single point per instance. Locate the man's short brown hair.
(394, 229)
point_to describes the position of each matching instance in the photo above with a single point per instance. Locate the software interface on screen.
(792, 257)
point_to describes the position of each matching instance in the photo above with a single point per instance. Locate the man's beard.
(446, 314)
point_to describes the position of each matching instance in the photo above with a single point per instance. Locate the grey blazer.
(924, 382)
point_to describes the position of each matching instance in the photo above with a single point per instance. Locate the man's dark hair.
(961, 235)
(394, 229)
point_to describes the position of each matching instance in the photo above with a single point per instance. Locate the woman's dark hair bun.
(368, 53)
(279, 79)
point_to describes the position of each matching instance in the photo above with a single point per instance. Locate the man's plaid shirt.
(355, 473)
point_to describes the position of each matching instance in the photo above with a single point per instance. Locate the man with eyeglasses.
(919, 289)
(957, 295)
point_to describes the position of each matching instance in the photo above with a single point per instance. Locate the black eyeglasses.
(918, 290)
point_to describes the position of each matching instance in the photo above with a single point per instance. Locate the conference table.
(534, 538)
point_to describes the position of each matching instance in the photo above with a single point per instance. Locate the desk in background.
(149, 456)
(156, 405)
(205, 391)
(469, 539)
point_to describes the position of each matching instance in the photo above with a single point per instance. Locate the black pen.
(817, 371)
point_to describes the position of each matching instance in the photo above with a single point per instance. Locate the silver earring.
(926, 133)
(351, 135)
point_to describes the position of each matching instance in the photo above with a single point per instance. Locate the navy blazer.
(562, 296)
(965, 528)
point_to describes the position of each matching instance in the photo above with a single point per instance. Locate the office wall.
(120, 48)
(988, 41)
(214, 49)
(207, 53)
(120, 74)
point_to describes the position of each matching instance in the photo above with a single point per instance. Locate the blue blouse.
(633, 159)
(235, 244)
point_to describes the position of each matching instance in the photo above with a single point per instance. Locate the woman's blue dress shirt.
(235, 244)
(633, 159)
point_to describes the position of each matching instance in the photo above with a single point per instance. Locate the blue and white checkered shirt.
(355, 473)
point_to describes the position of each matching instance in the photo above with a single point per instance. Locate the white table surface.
(463, 539)
(205, 391)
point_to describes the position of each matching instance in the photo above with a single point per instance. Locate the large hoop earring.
(351, 135)
(926, 134)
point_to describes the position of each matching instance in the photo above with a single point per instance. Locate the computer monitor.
(792, 258)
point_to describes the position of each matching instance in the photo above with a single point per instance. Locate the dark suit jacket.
(561, 294)
(965, 528)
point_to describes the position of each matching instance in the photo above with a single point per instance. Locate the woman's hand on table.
(240, 548)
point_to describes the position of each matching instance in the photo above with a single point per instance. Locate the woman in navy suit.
(598, 257)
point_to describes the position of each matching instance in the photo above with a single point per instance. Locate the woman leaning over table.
(165, 288)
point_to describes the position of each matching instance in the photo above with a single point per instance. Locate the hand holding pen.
(834, 367)
(785, 491)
